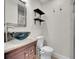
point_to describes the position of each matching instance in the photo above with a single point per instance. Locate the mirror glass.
(15, 13)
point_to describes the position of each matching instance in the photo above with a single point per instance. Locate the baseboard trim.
(59, 56)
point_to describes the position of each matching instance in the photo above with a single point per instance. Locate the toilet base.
(45, 57)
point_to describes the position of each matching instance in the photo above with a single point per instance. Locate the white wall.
(11, 12)
(60, 25)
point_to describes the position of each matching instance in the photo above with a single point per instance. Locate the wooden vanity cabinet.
(25, 52)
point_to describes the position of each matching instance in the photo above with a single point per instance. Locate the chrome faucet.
(6, 27)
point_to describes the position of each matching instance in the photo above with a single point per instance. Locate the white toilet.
(45, 52)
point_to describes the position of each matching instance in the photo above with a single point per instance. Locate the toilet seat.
(47, 49)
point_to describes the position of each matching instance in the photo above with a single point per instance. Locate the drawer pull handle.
(31, 50)
(26, 54)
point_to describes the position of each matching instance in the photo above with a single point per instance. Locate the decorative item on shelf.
(39, 13)
(23, 1)
(61, 9)
(54, 11)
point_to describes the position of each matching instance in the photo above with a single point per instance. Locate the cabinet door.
(19, 55)
(26, 54)
(32, 52)
(32, 56)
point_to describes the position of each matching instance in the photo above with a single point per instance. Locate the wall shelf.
(39, 11)
(38, 19)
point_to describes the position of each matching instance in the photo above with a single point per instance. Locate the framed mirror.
(15, 13)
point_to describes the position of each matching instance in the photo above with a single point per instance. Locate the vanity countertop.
(13, 44)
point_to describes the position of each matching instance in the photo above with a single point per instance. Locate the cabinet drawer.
(16, 51)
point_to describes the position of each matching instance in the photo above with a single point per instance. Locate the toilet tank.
(40, 41)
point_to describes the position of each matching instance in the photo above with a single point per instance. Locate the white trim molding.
(59, 56)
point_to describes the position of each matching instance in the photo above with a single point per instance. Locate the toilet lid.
(47, 49)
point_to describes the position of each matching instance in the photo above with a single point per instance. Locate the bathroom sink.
(20, 35)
